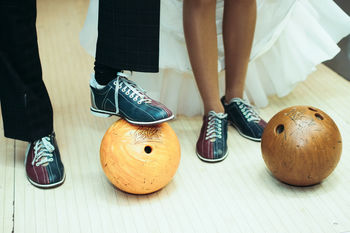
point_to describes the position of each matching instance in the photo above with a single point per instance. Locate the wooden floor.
(236, 195)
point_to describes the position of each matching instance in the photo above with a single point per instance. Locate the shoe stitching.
(107, 99)
(49, 172)
(139, 108)
(34, 168)
(242, 116)
(58, 167)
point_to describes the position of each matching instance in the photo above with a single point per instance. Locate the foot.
(244, 118)
(43, 163)
(212, 141)
(122, 97)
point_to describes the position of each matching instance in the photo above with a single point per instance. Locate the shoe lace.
(214, 129)
(249, 112)
(43, 151)
(131, 89)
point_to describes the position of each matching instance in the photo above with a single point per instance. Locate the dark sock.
(104, 74)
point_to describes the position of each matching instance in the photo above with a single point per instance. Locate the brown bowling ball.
(301, 145)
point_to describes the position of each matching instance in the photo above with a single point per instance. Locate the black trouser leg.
(104, 74)
(128, 34)
(26, 107)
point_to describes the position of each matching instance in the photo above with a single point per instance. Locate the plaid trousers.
(128, 39)
(25, 104)
(128, 34)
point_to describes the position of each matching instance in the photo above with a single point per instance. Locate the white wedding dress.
(291, 38)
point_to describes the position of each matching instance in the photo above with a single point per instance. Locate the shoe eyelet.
(115, 83)
(139, 102)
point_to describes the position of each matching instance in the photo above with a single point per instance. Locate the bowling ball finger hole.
(312, 109)
(318, 116)
(279, 129)
(148, 149)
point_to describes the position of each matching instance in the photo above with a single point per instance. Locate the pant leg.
(128, 34)
(26, 107)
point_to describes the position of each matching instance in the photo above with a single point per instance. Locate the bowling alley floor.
(236, 195)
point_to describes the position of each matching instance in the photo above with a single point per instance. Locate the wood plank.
(236, 195)
(6, 181)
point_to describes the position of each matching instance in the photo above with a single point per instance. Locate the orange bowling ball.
(301, 145)
(140, 159)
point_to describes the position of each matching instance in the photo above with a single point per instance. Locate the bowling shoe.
(244, 118)
(212, 142)
(122, 97)
(43, 163)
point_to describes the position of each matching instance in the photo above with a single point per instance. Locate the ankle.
(230, 96)
(218, 108)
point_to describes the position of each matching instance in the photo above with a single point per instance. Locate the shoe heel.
(99, 114)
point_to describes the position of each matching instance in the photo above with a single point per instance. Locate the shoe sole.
(106, 114)
(43, 186)
(47, 186)
(244, 135)
(211, 160)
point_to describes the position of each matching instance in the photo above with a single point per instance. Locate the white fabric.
(291, 38)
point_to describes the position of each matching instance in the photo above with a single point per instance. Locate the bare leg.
(238, 29)
(201, 40)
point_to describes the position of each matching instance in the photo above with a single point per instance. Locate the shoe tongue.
(129, 82)
(123, 79)
(121, 74)
(237, 100)
(219, 115)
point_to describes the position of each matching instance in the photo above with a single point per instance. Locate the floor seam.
(14, 187)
